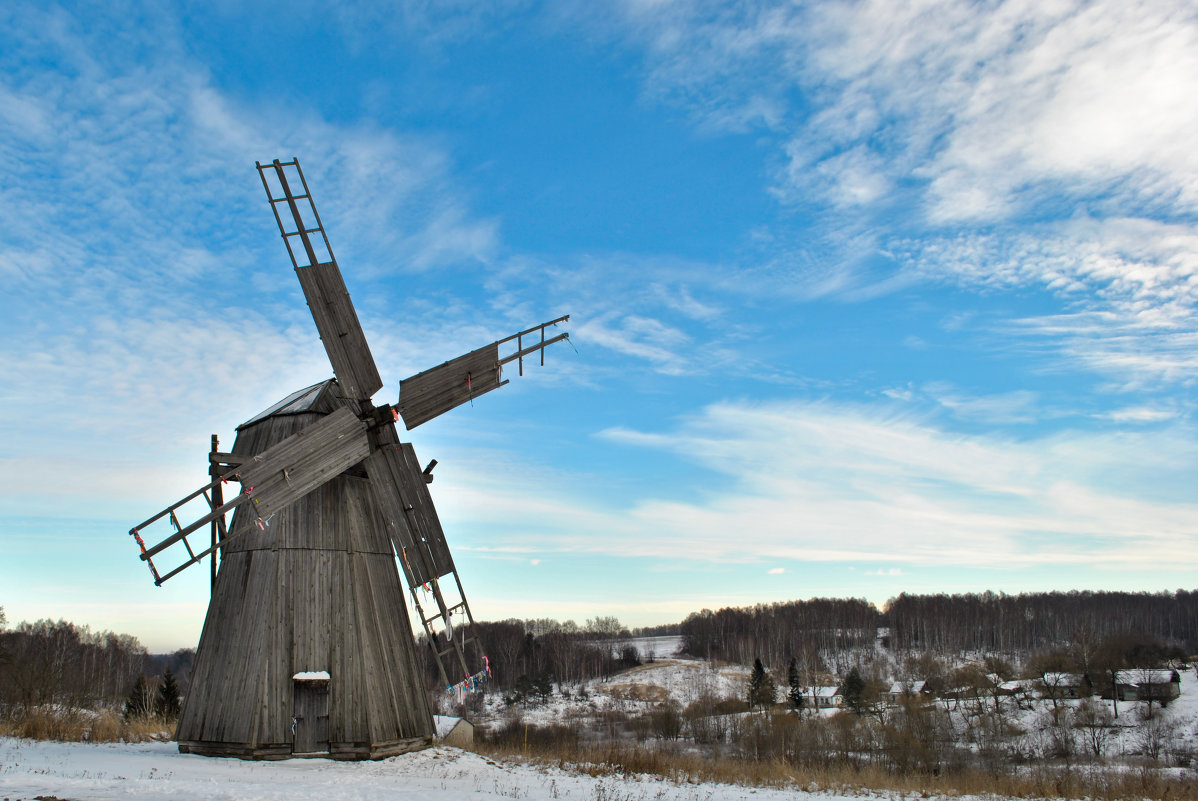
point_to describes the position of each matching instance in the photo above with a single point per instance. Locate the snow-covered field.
(632, 691)
(655, 647)
(158, 771)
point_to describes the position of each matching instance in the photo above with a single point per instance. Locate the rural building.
(453, 731)
(825, 697)
(1062, 686)
(902, 689)
(1156, 684)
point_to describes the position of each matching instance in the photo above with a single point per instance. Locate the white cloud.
(1130, 264)
(1129, 287)
(1141, 414)
(776, 571)
(985, 103)
(814, 482)
(640, 337)
(1017, 406)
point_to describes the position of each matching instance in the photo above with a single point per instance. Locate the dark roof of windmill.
(317, 398)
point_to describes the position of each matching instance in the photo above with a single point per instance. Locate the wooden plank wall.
(317, 590)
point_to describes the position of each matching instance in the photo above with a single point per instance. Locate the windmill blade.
(400, 491)
(437, 390)
(450, 384)
(324, 288)
(299, 464)
(281, 474)
(401, 495)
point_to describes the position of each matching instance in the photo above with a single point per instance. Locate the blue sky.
(867, 298)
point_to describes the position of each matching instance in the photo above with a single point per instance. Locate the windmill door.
(310, 723)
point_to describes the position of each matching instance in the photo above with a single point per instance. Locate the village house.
(902, 689)
(825, 697)
(1062, 686)
(1147, 684)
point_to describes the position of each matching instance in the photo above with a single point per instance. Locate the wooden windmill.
(307, 647)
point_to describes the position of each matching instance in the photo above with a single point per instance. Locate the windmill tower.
(307, 647)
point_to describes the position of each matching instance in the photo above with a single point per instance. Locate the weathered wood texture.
(324, 288)
(340, 330)
(422, 517)
(406, 507)
(303, 461)
(439, 389)
(317, 589)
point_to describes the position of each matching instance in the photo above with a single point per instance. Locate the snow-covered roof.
(1145, 676)
(312, 675)
(900, 687)
(1062, 679)
(445, 724)
(823, 692)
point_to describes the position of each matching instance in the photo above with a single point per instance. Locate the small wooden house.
(906, 689)
(1062, 686)
(1147, 684)
(454, 731)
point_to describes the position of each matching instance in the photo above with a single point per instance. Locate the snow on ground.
(30, 769)
(653, 647)
(157, 770)
(631, 691)
(1128, 730)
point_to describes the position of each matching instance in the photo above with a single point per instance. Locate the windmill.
(307, 648)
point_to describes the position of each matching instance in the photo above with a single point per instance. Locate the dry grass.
(1092, 782)
(83, 725)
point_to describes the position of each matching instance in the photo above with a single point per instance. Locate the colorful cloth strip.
(470, 683)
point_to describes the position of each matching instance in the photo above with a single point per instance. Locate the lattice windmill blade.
(399, 488)
(270, 481)
(314, 263)
(435, 391)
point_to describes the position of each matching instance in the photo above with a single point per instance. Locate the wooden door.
(310, 702)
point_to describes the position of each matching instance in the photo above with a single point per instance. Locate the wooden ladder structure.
(219, 465)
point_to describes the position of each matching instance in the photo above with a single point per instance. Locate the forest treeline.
(943, 624)
(57, 662)
(529, 654)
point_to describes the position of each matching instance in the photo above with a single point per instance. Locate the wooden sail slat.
(340, 331)
(323, 285)
(448, 385)
(304, 461)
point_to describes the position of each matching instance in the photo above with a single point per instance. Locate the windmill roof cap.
(303, 400)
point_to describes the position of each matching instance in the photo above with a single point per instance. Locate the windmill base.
(343, 751)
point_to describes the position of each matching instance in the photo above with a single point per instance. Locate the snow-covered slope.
(158, 771)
